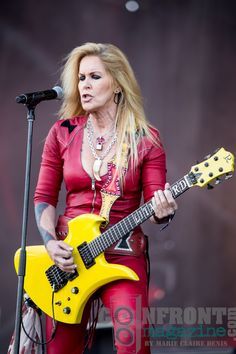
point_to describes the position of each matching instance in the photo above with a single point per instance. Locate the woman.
(102, 120)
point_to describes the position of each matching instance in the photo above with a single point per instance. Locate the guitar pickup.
(86, 255)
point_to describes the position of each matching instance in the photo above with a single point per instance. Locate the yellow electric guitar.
(63, 296)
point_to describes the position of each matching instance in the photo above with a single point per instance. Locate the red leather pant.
(125, 300)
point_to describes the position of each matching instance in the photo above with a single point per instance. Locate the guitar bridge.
(86, 255)
(57, 278)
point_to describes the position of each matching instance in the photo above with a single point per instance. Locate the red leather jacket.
(61, 159)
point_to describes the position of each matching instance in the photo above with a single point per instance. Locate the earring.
(117, 96)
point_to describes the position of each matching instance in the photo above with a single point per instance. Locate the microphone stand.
(22, 259)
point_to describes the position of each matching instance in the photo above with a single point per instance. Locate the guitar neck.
(123, 227)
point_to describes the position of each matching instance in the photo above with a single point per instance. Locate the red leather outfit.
(61, 160)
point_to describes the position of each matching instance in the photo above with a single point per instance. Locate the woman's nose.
(87, 83)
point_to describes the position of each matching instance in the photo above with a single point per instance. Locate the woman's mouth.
(86, 97)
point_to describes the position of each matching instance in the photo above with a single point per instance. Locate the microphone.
(36, 97)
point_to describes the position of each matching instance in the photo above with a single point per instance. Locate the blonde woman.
(102, 136)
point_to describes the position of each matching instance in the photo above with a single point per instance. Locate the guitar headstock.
(221, 163)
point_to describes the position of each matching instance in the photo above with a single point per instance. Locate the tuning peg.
(209, 186)
(228, 175)
(218, 180)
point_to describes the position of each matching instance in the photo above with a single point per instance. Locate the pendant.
(96, 169)
(99, 143)
(99, 146)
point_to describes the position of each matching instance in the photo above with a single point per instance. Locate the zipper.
(93, 183)
(93, 187)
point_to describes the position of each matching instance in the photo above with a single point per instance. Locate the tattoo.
(39, 209)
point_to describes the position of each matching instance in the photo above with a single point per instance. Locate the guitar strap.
(112, 188)
(135, 242)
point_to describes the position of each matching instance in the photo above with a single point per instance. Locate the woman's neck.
(103, 121)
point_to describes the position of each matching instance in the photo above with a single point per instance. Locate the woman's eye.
(81, 78)
(96, 77)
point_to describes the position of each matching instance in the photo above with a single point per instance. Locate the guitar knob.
(67, 310)
(75, 290)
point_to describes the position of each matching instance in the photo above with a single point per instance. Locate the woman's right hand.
(61, 254)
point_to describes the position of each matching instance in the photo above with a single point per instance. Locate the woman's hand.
(61, 254)
(163, 203)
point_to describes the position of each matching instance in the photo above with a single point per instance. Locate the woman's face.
(95, 85)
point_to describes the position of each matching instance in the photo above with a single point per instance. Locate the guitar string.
(98, 245)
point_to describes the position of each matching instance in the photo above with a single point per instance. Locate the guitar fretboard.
(123, 227)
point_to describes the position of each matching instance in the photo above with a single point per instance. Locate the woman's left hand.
(163, 203)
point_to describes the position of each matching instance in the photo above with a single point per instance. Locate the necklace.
(100, 140)
(98, 159)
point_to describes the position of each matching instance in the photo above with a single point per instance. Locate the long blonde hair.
(131, 121)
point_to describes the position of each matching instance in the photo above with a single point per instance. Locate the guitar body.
(70, 300)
